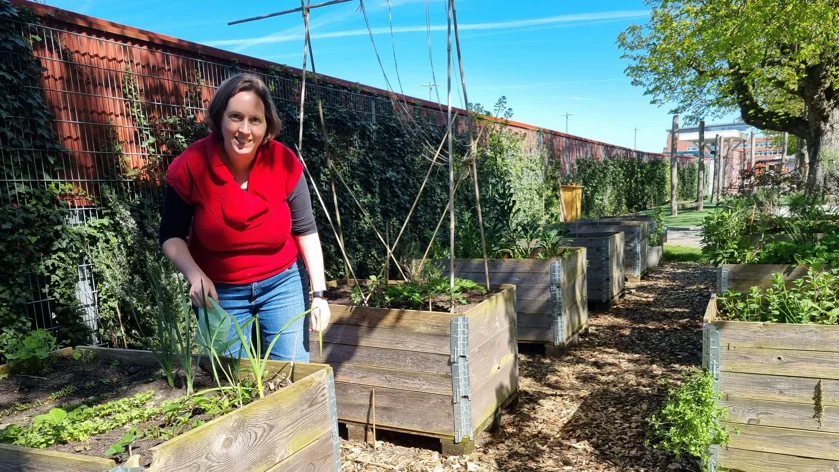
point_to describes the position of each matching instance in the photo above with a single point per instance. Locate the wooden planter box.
(741, 277)
(636, 242)
(769, 375)
(649, 219)
(433, 374)
(551, 294)
(605, 273)
(293, 429)
(654, 256)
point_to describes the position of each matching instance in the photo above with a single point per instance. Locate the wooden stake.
(473, 147)
(373, 392)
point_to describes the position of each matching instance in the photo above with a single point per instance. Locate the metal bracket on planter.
(713, 461)
(556, 273)
(722, 280)
(557, 315)
(333, 415)
(461, 384)
(711, 353)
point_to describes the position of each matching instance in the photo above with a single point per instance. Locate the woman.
(238, 197)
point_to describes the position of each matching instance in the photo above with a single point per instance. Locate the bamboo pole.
(451, 158)
(473, 147)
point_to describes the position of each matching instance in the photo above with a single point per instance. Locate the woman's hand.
(320, 314)
(196, 281)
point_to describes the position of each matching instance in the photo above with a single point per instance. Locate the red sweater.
(238, 236)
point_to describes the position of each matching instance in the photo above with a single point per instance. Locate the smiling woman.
(237, 216)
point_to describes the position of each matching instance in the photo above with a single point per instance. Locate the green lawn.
(676, 253)
(685, 218)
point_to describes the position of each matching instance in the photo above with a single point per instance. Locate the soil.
(584, 411)
(340, 295)
(91, 383)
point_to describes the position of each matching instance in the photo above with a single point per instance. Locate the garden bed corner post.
(713, 460)
(333, 416)
(461, 385)
(711, 353)
(722, 280)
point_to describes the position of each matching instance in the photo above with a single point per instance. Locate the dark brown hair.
(243, 82)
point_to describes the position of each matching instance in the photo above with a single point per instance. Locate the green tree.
(774, 61)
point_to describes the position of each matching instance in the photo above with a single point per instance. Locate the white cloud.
(582, 18)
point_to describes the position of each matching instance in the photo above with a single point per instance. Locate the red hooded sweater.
(238, 236)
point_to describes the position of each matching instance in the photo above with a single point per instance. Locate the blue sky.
(548, 57)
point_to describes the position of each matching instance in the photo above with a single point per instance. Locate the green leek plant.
(258, 360)
(165, 352)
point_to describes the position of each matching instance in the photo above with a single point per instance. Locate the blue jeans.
(274, 301)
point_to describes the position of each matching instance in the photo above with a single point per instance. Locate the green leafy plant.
(32, 354)
(658, 221)
(690, 420)
(413, 295)
(726, 231)
(125, 441)
(811, 299)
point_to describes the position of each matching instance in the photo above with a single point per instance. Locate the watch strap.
(319, 294)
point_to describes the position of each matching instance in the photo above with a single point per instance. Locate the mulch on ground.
(585, 411)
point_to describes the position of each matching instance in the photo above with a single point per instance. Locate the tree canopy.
(774, 61)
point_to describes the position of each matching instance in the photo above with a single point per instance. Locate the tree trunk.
(674, 169)
(823, 153)
(700, 184)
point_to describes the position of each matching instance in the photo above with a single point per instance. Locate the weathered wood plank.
(752, 461)
(493, 317)
(797, 337)
(318, 456)
(780, 414)
(486, 358)
(777, 388)
(491, 394)
(535, 334)
(575, 319)
(411, 410)
(792, 442)
(538, 266)
(626, 226)
(393, 358)
(544, 321)
(410, 320)
(252, 438)
(383, 338)
(815, 364)
(741, 277)
(654, 255)
(25, 459)
(299, 370)
(513, 278)
(398, 379)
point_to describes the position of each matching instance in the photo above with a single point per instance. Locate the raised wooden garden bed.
(551, 294)
(605, 273)
(636, 242)
(654, 256)
(741, 277)
(292, 429)
(423, 372)
(780, 385)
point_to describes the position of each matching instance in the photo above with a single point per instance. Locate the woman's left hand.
(320, 314)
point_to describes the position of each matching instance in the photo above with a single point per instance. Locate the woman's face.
(243, 125)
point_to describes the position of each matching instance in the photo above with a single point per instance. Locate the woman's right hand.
(196, 282)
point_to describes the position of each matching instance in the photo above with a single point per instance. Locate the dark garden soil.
(72, 383)
(341, 295)
(585, 411)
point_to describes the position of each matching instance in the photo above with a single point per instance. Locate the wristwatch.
(319, 294)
